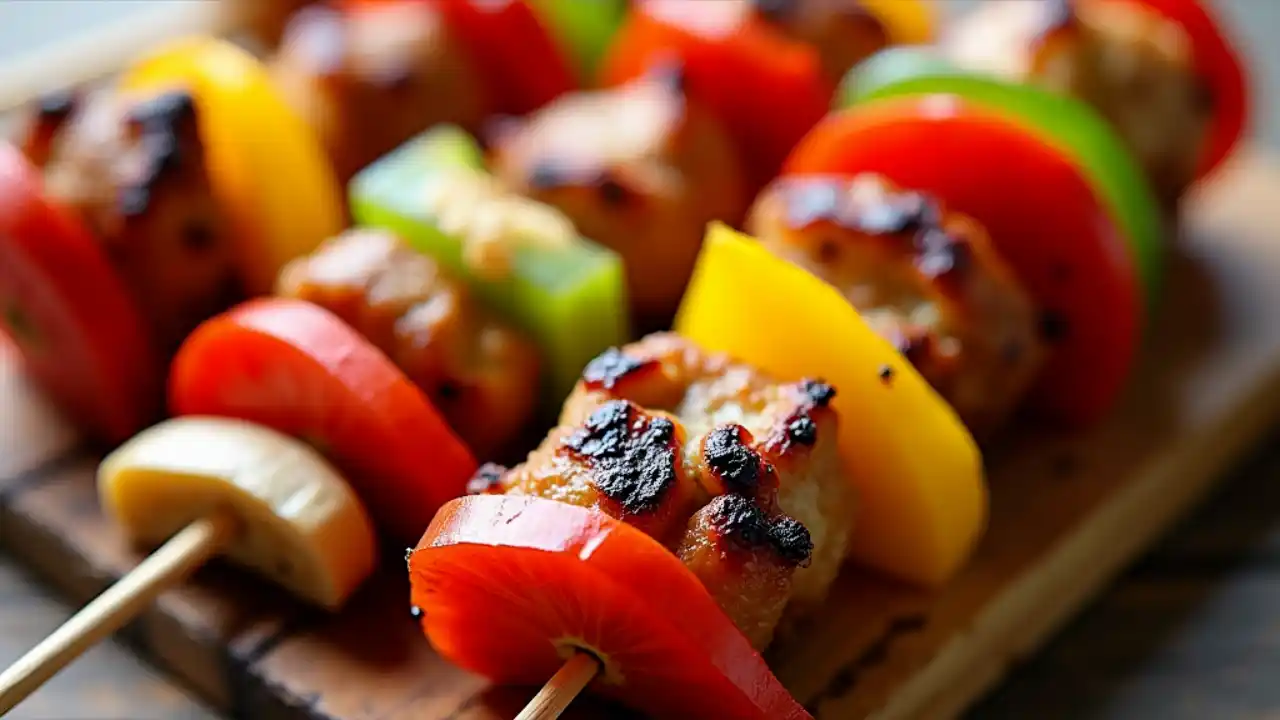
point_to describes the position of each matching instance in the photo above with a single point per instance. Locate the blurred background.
(26, 25)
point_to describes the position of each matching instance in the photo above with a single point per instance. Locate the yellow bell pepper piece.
(906, 22)
(922, 499)
(266, 163)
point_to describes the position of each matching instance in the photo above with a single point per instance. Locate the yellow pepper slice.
(906, 22)
(922, 498)
(266, 164)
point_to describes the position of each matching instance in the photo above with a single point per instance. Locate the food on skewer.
(1161, 71)
(481, 375)
(765, 69)
(1067, 124)
(294, 519)
(919, 514)
(79, 330)
(296, 368)
(641, 167)
(371, 76)
(1042, 214)
(658, 428)
(926, 278)
(729, 471)
(511, 587)
(521, 258)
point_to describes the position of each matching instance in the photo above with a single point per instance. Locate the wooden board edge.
(1031, 610)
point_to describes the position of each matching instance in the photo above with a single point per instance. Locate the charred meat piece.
(657, 429)
(843, 32)
(370, 78)
(638, 168)
(926, 279)
(135, 172)
(480, 373)
(1135, 68)
(746, 559)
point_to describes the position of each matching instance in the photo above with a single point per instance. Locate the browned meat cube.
(656, 429)
(479, 372)
(370, 78)
(135, 172)
(925, 278)
(639, 168)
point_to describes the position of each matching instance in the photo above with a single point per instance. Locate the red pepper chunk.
(767, 89)
(298, 369)
(511, 586)
(76, 327)
(1041, 213)
(1220, 66)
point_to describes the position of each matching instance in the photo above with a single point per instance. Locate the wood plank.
(107, 682)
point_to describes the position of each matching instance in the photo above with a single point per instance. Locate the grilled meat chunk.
(1132, 65)
(480, 373)
(135, 172)
(638, 168)
(843, 32)
(369, 78)
(656, 430)
(924, 278)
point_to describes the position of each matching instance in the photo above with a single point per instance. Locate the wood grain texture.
(1068, 514)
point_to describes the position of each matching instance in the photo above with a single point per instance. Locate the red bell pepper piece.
(1219, 64)
(297, 368)
(1041, 212)
(766, 88)
(510, 586)
(73, 321)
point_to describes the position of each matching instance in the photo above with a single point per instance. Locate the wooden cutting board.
(1068, 514)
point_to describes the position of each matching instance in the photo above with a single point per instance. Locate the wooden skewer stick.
(166, 567)
(562, 688)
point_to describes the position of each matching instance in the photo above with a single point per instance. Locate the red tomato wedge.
(297, 368)
(1219, 64)
(73, 321)
(766, 88)
(1041, 213)
(512, 586)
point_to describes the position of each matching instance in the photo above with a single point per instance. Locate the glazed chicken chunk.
(480, 373)
(638, 168)
(135, 173)
(926, 279)
(1132, 65)
(370, 78)
(843, 31)
(735, 472)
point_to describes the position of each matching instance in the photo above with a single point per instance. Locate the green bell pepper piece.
(1069, 125)
(571, 301)
(584, 29)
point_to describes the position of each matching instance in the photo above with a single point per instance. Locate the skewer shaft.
(562, 688)
(174, 561)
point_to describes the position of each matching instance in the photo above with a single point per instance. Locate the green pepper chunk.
(1067, 124)
(570, 299)
(584, 29)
